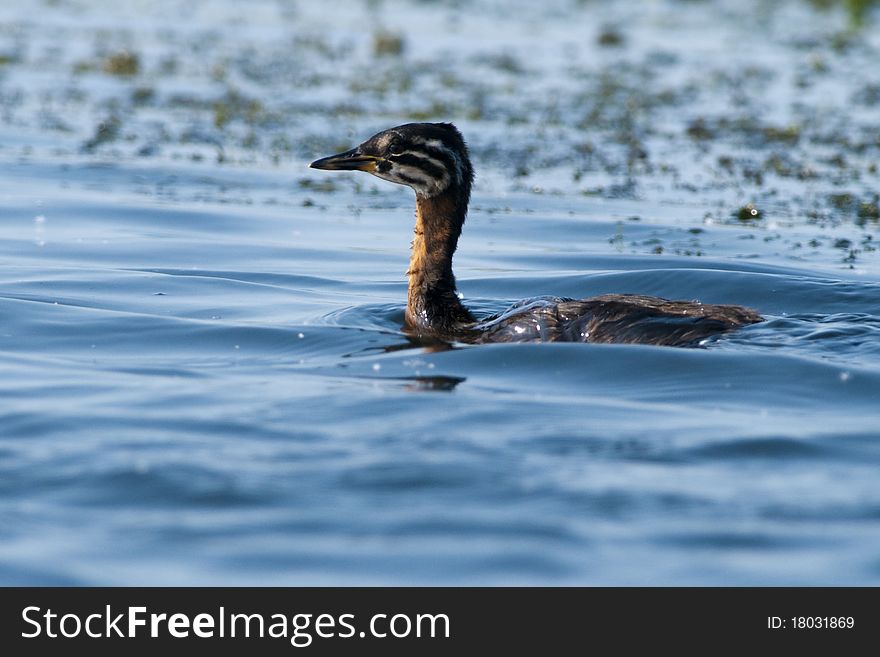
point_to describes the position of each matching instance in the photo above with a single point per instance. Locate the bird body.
(433, 159)
(617, 318)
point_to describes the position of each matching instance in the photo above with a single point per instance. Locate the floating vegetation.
(123, 63)
(106, 131)
(610, 37)
(789, 134)
(869, 211)
(235, 106)
(842, 201)
(748, 213)
(848, 204)
(325, 185)
(726, 163)
(698, 129)
(388, 43)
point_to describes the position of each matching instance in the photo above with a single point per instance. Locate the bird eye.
(395, 149)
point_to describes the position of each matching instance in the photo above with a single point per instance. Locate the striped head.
(429, 157)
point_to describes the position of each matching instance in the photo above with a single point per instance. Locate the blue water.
(203, 379)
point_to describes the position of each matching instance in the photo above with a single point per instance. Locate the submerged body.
(432, 158)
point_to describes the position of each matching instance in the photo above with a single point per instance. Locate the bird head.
(432, 158)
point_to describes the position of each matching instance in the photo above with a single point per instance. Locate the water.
(202, 374)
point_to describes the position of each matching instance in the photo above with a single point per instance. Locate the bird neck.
(433, 304)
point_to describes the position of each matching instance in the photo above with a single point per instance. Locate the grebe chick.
(432, 158)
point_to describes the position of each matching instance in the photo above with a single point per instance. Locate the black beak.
(352, 160)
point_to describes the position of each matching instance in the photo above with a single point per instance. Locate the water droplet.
(237, 347)
(300, 335)
(40, 219)
(844, 376)
(376, 367)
